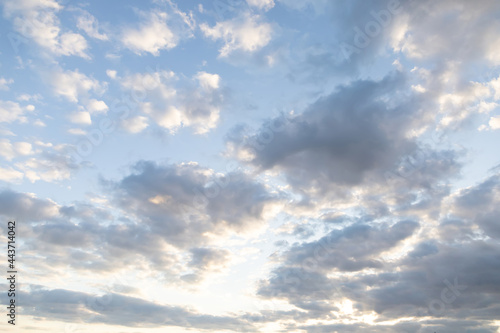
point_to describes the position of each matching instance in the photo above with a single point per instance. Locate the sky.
(298, 166)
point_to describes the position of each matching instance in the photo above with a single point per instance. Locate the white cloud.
(52, 164)
(135, 125)
(10, 175)
(72, 84)
(261, 4)
(10, 112)
(196, 105)
(80, 117)
(39, 123)
(12, 150)
(37, 20)
(495, 85)
(4, 83)
(111, 73)
(152, 36)
(494, 123)
(208, 81)
(97, 106)
(89, 24)
(76, 131)
(247, 34)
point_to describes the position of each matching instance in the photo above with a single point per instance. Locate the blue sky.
(252, 166)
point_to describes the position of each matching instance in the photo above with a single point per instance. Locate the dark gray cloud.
(181, 203)
(116, 309)
(352, 137)
(25, 207)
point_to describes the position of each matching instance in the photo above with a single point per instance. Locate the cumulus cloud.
(342, 139)
(73, 84)
(195, 104)
(80, 118)
(247, 34)
(135, 124)
(95, 106)
(159, 31)
(38, 21)
(11, 150)
(11, 112)
(185, 203)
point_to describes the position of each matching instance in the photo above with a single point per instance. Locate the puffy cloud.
(424, 33)
(26, 207)
(159, 31)
(197, 104)
(97, 106)
(11, 150)
(38, 21)
(135, 124)
(80, 118)
(73, 84)
(247, 33)
(53, 163)
(10, 175)
(184, 204)
(10, 112)
(341, 140)
(494, 123)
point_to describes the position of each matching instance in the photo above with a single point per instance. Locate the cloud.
(4, 83)
(95, 106)
(196, 104)
(11, 150)
(494, 123)
(10, 175)
(261, 4)
(184, 204)
(116, 309)
(38, 21)
(205, 261)
(90, 25)
(11, 112)
(26, 207)
(73, 84)
(52, 163)
(80, 118)
(247, 33)
(135, 125)
(154, 34)
(341, 139)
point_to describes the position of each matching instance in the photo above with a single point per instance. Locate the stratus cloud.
(247, 33)
(38, 21)
(116, 309)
